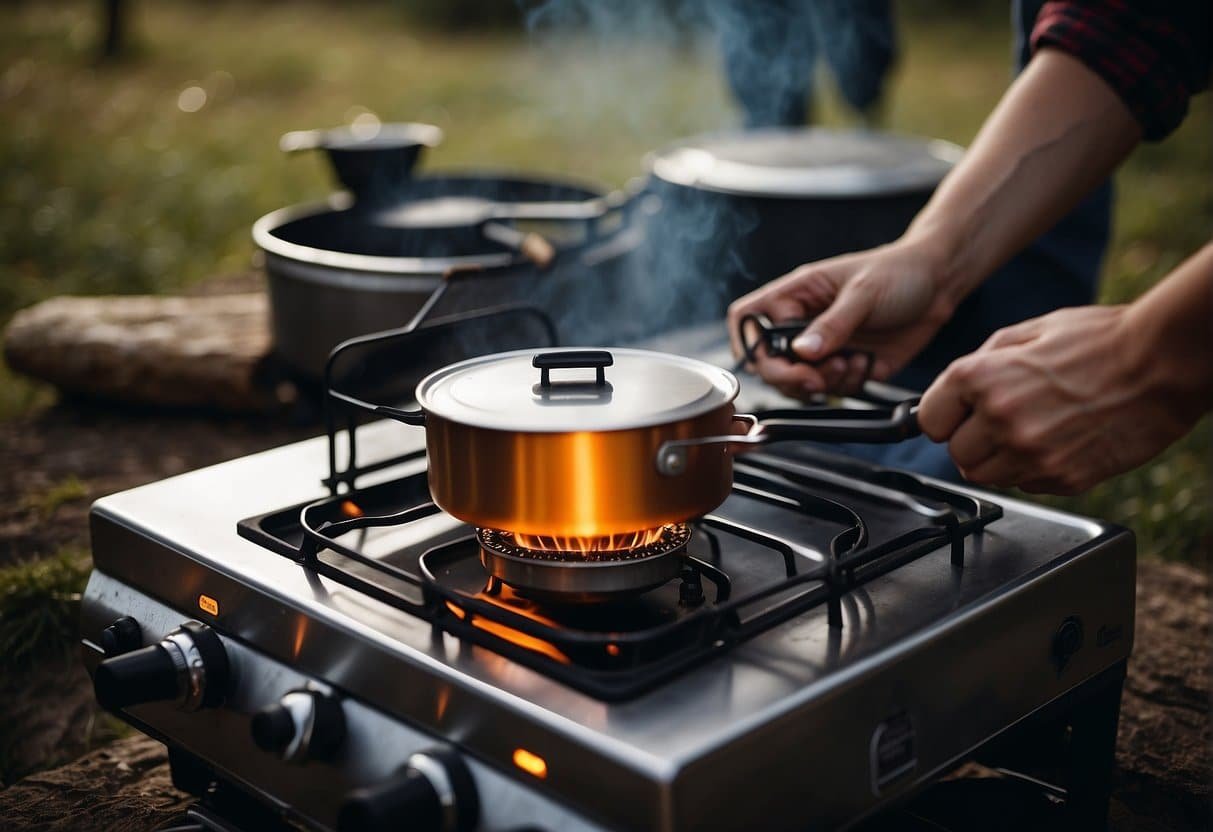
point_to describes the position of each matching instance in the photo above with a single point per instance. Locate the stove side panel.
(923, 705)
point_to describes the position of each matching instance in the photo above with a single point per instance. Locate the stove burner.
(649, 542)
(589, 573)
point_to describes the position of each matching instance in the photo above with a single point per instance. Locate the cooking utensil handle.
(834, 425)
(757, 330)
(530, 244)
(597, 360)
(297, 140)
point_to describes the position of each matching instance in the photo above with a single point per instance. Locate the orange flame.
(508, 633)
(606, 543)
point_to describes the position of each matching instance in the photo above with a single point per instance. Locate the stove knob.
(122, 636)
(189, 666)
(434, 792)
(1066, 642)
(303, 725)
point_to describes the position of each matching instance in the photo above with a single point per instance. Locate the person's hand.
(1058, 403)
(886, 301)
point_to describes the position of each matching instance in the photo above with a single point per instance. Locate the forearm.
(1056, 134)
(1173, 333)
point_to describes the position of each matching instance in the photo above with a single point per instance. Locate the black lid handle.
(572, 360)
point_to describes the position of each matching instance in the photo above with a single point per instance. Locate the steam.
(626, 58)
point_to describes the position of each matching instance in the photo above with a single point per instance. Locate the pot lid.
(807, 162)
(570, 390)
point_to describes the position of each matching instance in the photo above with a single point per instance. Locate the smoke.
(630, 58)
(623, 65)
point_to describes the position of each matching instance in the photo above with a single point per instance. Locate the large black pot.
(738, 209)
(341, 268)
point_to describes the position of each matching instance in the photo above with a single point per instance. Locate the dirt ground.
(49, 717)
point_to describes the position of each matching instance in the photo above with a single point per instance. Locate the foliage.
(39, 606)
(46, 502)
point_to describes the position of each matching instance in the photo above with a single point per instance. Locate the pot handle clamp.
(757, 330)
(597, 360)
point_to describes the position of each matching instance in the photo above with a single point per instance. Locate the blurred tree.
(114, 28)
(463, 15)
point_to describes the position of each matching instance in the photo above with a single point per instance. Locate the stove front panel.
(919, 630)
(310, 794)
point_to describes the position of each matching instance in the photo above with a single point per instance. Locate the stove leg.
(221, 807)
(1093, 725)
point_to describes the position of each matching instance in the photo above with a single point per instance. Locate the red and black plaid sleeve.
(1156, 54)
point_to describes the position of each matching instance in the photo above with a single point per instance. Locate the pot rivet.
(673, 461)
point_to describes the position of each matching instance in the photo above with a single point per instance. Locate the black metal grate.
(866, 520)
(694, 618)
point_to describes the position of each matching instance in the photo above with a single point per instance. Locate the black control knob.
(122, 636)
(434, 792)
(189, 666)
(303, 725)
(1066, 641)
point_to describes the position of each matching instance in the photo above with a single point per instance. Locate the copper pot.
(583, 455)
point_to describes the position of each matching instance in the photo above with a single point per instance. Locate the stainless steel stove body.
(800, 725)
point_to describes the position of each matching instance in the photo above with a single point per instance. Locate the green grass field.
(125, 178)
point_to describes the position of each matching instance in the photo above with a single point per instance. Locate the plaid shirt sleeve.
(1156, 54)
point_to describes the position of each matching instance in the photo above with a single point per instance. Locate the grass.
(39, 605)
(47, 501)
(108, 185)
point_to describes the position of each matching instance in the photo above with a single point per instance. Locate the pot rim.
(264, 227)
(741, 179)
(264, 238)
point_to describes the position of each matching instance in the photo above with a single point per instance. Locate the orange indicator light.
(208, 604)
(531, 763)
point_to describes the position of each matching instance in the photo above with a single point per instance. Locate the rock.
(209, 351)
(124, 787)
(50, 716)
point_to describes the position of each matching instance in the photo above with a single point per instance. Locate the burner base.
(595, 578)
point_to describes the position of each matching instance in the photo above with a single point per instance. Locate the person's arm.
(1059, 403)
(1058, 132)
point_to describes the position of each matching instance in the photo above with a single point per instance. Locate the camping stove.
(836, 640)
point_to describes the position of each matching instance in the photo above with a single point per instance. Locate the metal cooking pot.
(337, 269)
(740, 208)
(598, 453)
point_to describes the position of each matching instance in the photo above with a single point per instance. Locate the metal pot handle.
(416, 418)
(833, 425)
(597, 360)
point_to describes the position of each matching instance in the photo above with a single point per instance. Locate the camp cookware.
(589, 443)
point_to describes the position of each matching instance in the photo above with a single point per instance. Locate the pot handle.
(830, 425)
(597, 360)
(408, 417)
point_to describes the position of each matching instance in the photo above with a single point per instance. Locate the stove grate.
(711, 615)
(704, 612)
